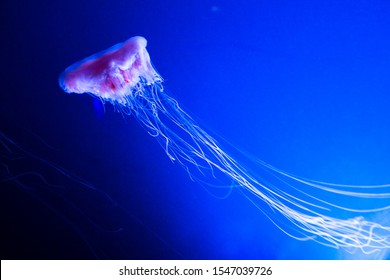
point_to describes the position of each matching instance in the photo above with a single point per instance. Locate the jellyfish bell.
(112, 74)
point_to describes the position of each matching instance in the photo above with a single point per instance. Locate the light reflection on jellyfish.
(336, 215)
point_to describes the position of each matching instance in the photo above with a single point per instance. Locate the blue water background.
(303, 85)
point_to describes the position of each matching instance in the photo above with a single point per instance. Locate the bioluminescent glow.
(336, 215)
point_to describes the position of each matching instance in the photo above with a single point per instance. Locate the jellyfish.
(302, 208)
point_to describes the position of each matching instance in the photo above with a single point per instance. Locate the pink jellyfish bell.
(113, 74)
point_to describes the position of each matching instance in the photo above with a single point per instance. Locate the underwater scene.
(204, 130)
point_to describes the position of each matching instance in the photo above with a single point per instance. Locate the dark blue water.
(302, 85)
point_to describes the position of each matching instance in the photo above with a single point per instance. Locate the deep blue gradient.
(302, 85)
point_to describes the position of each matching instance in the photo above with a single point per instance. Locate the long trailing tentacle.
(291, 206)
